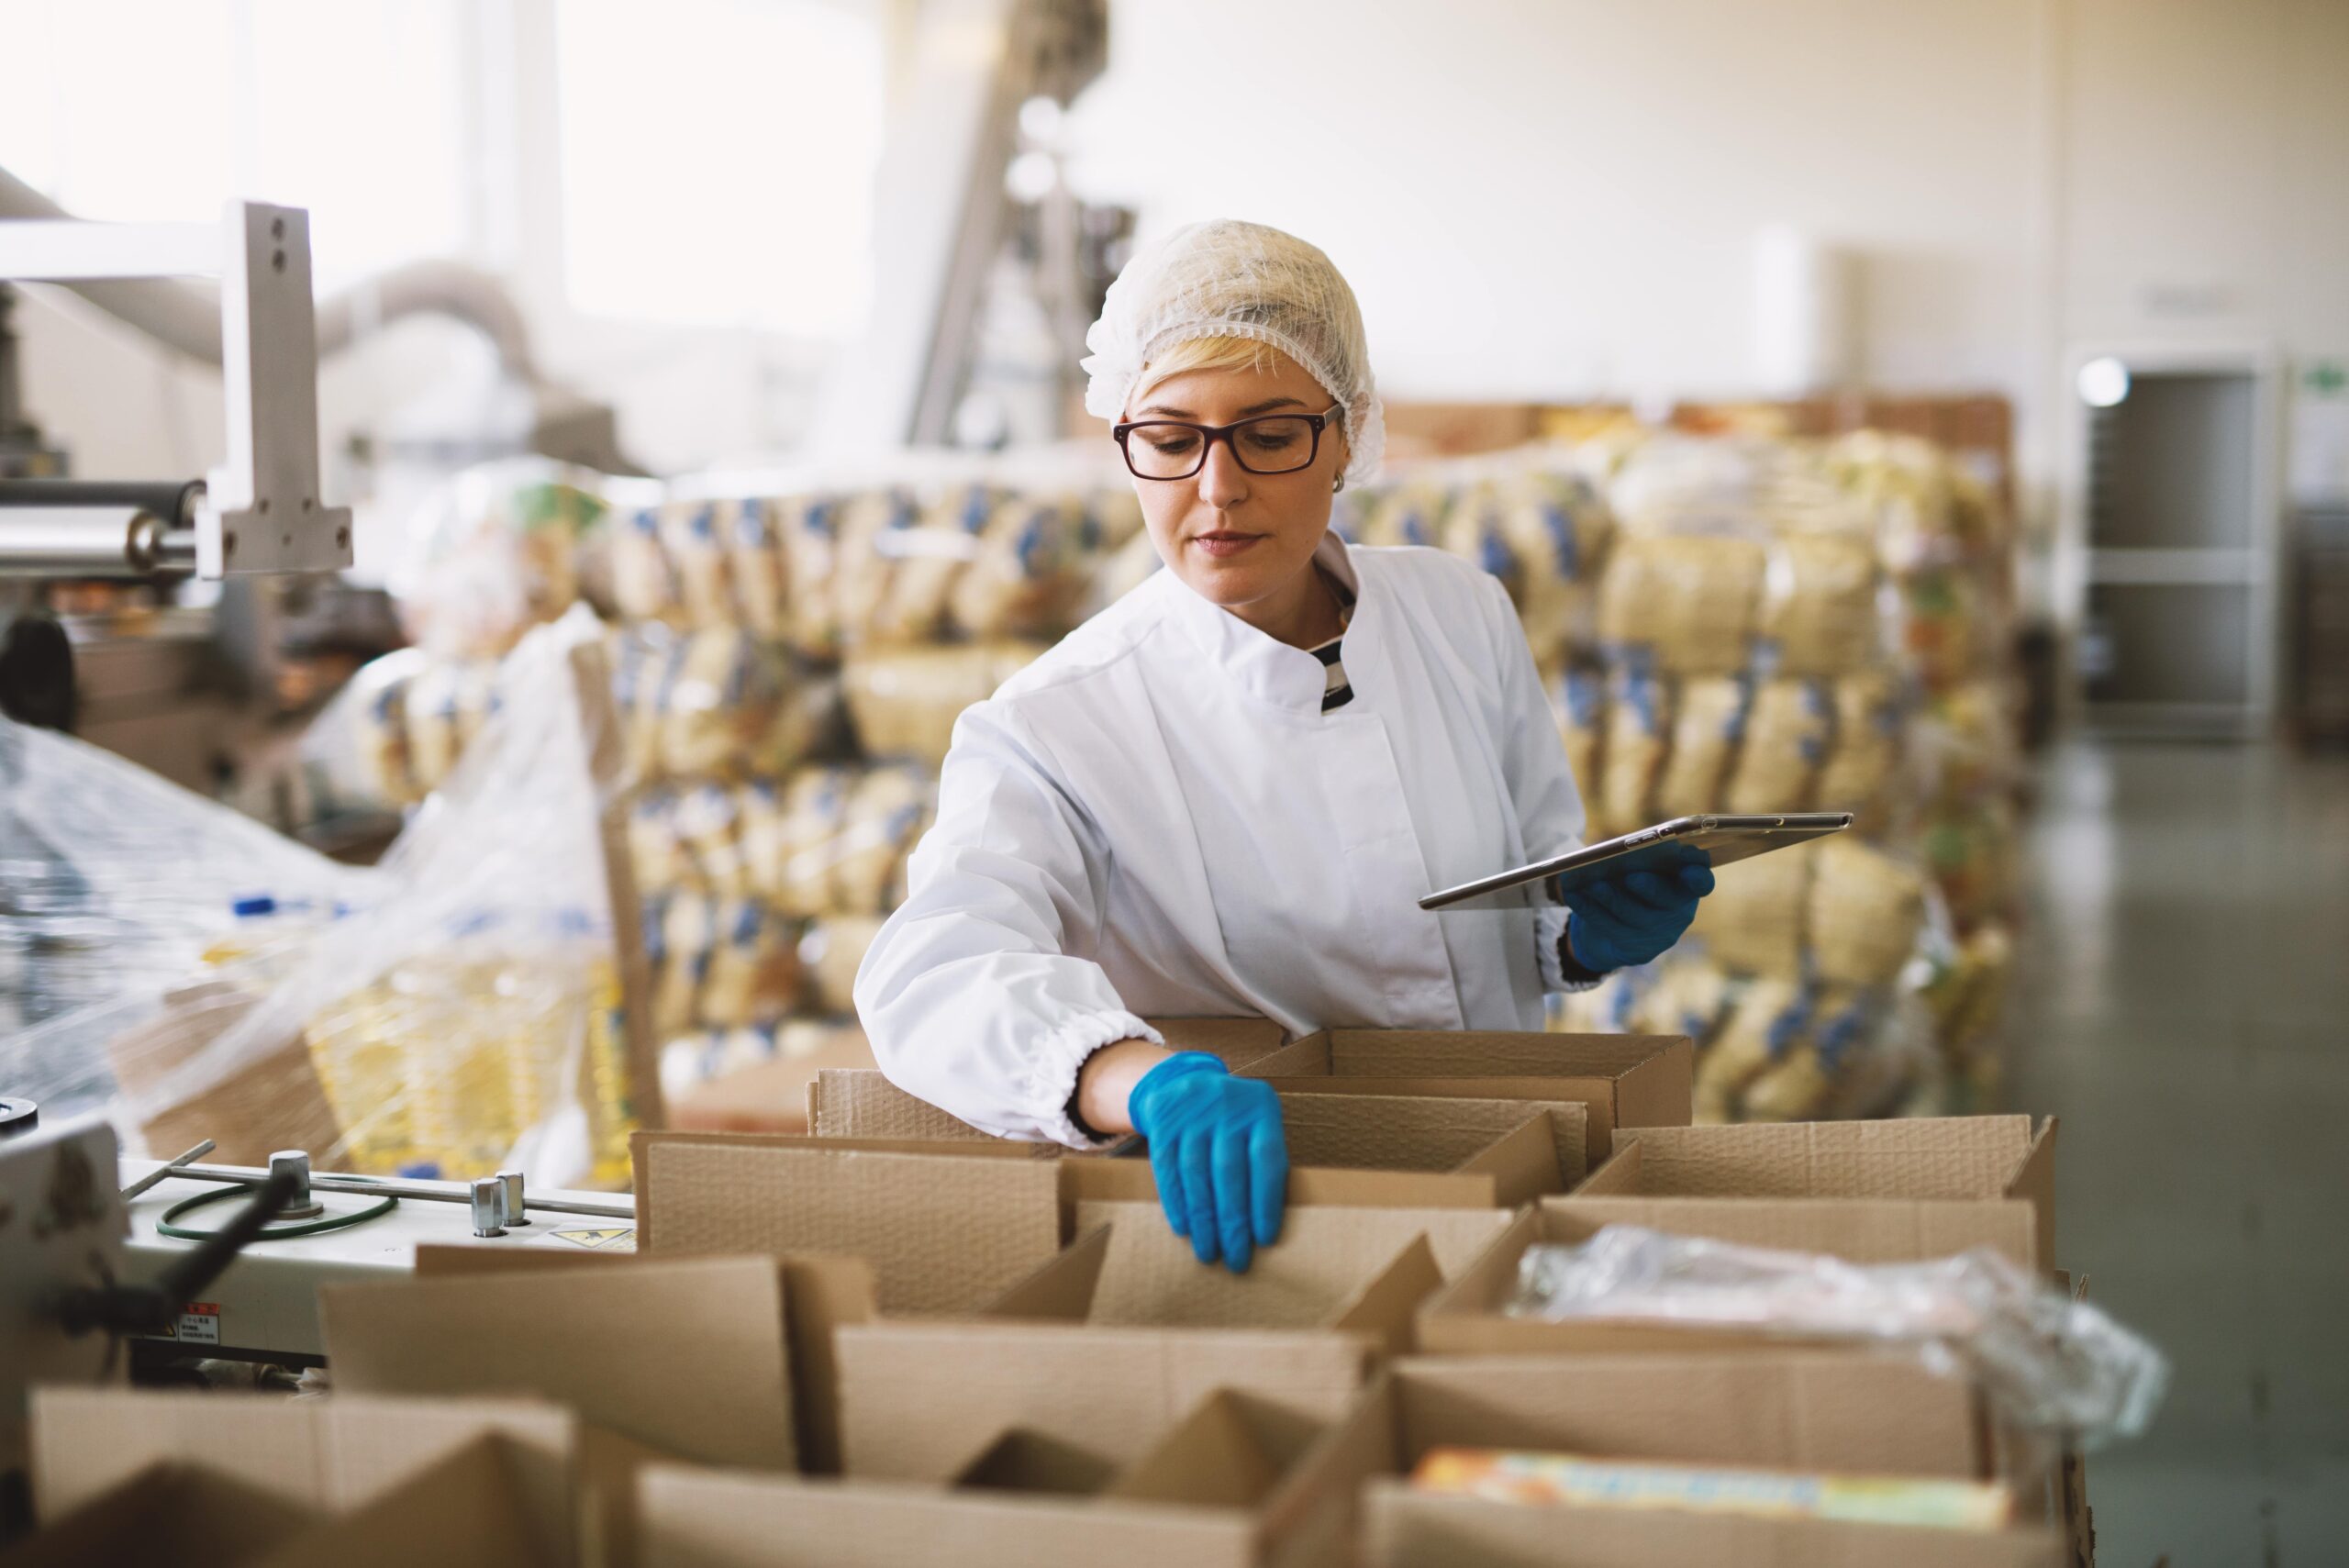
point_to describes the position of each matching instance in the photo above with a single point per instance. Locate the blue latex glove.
(1629, 917)
(1217, 1151)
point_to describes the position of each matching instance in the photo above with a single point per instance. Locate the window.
(161, 110)
(719, 159)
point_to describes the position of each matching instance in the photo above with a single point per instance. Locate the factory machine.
(109, 1265)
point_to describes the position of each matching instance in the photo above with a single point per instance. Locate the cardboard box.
(1216, 1489)
(224, 1477)
(273, 1102)
(1624, 1080)
(1817, 1411)
(1125, 1331)
(843, 1103)
(1868, 1192)
(946, 1227)
(1410, 1151)
(463, 1511)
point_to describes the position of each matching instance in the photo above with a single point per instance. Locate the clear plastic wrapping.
(455, 1007)
(495, 550)
(2049, 1362)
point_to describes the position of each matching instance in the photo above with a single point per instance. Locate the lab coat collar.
(1264, 666)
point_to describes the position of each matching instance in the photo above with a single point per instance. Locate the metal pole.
(622, 1206)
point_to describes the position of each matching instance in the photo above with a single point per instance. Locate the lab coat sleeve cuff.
(1549, 930)
(1051, 1082)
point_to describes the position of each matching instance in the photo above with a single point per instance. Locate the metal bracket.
(261, 511)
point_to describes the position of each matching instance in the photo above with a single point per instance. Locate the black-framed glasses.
(1175, 449)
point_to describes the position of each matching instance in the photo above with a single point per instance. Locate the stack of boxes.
(876, 1350)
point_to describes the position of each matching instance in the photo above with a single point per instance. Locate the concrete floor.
(2183, 1004)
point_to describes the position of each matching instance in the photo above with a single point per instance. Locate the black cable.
(150, 1308)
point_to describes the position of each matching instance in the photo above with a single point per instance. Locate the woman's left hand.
(1634, 916)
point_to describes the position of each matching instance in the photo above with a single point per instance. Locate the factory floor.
(2183, 1004)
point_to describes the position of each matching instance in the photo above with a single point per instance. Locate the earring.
(1339, 486)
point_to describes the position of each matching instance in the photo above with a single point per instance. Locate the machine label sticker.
(597, 1238)
(199, 1323)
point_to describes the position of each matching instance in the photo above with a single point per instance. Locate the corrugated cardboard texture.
(1324, 1254)
(1323, 1257)
(328, 1455)
(772, 1096)
(1624, 1080)
(182, 1515)
(846, 1103)
(1810, 1411)
(917, 1400)
(819, 1294)
(944, 1232)
(686, 1356)
(1412, 1528)
(461, 1512)
(1031, 1463)
(698, 1519)
(1380, 1132)
(1231, 1452)
(1862, 1230)
(1944, 1157)
(1505, 1168)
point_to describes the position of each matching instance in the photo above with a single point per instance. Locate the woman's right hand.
(1217, 1148)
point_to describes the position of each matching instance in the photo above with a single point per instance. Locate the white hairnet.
(1228, 279)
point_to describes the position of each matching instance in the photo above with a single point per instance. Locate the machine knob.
(301, 1205)
(512, 1182)
(489, 1206)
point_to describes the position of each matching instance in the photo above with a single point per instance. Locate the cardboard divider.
(946, 1227)
(461, 1512)
(819, 1294)
(1031, 1463)
(1623, 1080)
(1129, 1317)
(1842, 1412)
(170, 1512)
(845, 1103)
(1886, 1192)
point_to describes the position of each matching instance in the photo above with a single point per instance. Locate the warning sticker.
(199, 1323)
(624, 1236)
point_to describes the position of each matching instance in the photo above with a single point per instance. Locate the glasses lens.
(1277, 445)
(1163, 452)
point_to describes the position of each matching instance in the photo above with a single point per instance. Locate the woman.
(1225, 794)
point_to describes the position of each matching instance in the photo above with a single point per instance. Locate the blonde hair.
(1215, 353)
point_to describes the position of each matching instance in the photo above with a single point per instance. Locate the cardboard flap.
(1096, 1178)
(461, 1512)
(1482, 1284)
(1060, 1291)
(1918, 1157)
(1860, 1230)
(179, 1514)
(1231, 1452)
(1543, 1156)
(2034, 1182)
(861, 1102)
(688, 1356)
(1406, 1526)
(918, 1398)
(1235, 1041)
(1305, 1057)
(1846, 1411)
(1493, 1053)
(946, 1227)
(328, 1454)
(1378, 1132)
(1323, 1257)
(1037, 1462)
(1622, 1176)
(1383, 1307)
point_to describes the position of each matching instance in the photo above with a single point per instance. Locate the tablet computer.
(1718, 840)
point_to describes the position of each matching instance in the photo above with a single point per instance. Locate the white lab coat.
(1156, 818)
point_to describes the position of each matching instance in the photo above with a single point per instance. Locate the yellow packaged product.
(1868, 743)
(884, 810)
(434, 731)
(831, 953)
(796, 862)
(903, 701)
(644, 583)
(1690, 601)
(810, 532)
(656, 849)
(1753, 920)
(1865, 912)
(1820, 614)
(1578, 696)
(756, 564)
(1638, 738)
(1028, 573)
(379, 721)
(1768, 1019)
(678, 938)
(701, 562)
(869, 552)
(1688, 996)
(929, 559)
(709, 822)
(1552, 1479)
(1790, 728)
(1708, 724)
(754, 975)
